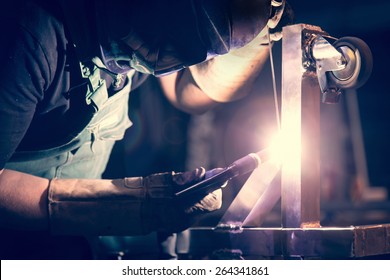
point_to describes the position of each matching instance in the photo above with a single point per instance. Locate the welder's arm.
(129, 206)
(23, 201)
(227, 77)
(222, 79)
(231, 76)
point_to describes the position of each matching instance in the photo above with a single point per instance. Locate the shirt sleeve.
(24, 75)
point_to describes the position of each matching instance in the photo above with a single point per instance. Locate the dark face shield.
(159, 37)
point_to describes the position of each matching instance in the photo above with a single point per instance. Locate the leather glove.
(173, 214)
(129, 206)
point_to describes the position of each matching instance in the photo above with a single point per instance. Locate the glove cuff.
(159, 186)
(129, 206)
(98, 207)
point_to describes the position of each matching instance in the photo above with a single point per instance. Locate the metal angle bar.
(300, 126)
(324, 242)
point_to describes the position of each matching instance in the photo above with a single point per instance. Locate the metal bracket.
(327, 59)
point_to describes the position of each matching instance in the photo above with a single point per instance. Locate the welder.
(67, 70)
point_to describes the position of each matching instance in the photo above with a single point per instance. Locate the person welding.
(67, 70)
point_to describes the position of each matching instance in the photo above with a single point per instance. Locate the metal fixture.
(315, 67)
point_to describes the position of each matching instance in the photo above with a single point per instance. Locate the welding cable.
(273, 80)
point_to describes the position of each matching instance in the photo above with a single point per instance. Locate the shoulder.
(38, 17)
(43, 20)
(39, 24)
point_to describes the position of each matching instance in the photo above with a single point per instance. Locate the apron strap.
(97, 93)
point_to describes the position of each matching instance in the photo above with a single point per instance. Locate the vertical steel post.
(300, 125)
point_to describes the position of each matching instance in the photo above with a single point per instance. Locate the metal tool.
(239, 167)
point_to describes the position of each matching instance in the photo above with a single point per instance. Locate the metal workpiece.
(255, 200)
(313, 70)
(281, 243)
(372, 240)
(300, 124)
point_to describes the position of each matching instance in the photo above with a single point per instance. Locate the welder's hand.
(282, 15)
(170, 214)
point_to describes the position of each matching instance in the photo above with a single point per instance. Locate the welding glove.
(129, 206)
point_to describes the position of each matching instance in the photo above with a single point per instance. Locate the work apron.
(84, 156)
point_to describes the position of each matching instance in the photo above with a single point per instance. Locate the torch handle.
(241, 166)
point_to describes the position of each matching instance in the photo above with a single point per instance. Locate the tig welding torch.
(239, 167)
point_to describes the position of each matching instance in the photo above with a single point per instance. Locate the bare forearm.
(182, 91)
(23, 201)
(230, 77)
(222, 79)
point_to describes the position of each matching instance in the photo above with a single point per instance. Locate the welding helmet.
(163, 36)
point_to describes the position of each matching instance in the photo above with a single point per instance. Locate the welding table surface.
(323, 242)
